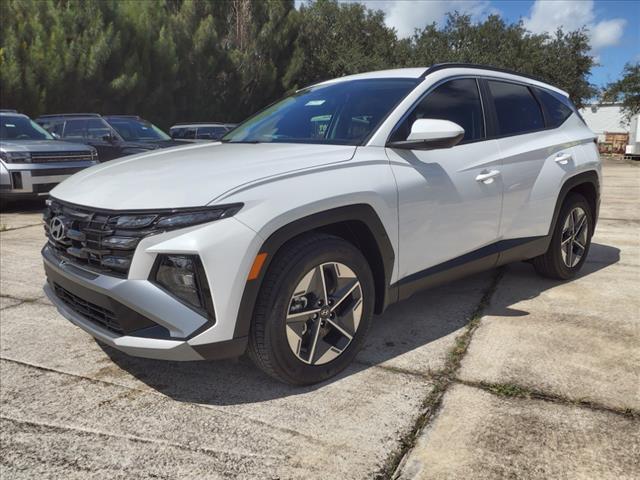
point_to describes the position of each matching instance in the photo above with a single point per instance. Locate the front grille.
(95, 313)
(104, 241)
(86, 236)
(51, 157)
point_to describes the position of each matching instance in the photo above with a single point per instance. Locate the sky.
(614, 25)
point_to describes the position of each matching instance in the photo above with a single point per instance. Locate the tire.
(556, 262)
(282, 334)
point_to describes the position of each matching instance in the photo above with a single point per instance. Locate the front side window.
(517, 110)
(134, 129)
(21, 128)
(97, 129)
(457, 101)
(341, 113)
(75, 130)
(555, 108)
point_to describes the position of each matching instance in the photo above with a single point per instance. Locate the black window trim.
(429, 90)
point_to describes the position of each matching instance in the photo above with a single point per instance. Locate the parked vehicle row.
(36, 156)
(113, 136)
(321, 210)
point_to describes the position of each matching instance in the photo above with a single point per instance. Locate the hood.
(42, 146)
(189, 176)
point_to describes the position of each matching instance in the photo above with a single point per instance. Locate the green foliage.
(626, 90)
(189, 60)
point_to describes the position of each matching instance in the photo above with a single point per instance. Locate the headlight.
(192, 218)
(183, 276)
(16, 157)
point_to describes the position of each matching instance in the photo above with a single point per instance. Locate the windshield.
(21, 128)
(342, 113)
(134, 129)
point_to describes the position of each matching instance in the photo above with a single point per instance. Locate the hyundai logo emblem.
(57, 229)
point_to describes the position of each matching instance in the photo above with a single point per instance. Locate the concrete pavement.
(543, 384)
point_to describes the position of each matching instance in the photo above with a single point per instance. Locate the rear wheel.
(570, 242)
(313, 311)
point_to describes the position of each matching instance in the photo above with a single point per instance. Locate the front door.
(450, 199)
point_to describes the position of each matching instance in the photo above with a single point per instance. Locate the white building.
(603, 118)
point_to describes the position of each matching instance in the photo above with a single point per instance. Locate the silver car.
(32, 161)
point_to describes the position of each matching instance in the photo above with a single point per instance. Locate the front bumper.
(156, 325)
(23, 180)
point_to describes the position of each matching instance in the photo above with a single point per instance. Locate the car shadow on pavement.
(416, 323)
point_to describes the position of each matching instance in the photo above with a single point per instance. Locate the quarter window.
(556, 110)
(457, 101)
(517, 110)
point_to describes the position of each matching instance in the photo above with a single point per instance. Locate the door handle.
(487, 177)
(563, 158)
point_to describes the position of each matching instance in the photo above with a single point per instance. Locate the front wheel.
(313, 311)
(570, 242)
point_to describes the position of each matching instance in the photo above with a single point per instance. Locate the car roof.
(423, 72)
(69, 115)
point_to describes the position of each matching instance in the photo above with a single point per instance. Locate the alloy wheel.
(574, 237)
(324, 313)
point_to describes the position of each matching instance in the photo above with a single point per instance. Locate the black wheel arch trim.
(362, 213)
(588, 177)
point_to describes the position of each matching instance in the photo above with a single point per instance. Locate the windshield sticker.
(314, 103)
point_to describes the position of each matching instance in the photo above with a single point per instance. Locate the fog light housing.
(183, 277)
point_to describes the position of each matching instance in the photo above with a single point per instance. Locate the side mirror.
(108, 137)
(427, 134)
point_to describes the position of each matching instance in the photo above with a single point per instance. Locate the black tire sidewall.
(573, 201)
(276, 341)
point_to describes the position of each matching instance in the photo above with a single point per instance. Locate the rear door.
(536, 155)
(449, 199)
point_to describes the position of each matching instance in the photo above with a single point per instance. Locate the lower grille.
(43, 187)
(55, 171)
(99, 315)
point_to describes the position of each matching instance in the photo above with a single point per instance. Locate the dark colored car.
(200, 132)
(113, 136)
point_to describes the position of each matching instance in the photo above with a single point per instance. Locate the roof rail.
(442, 66)
(49, 115)
(8, 110)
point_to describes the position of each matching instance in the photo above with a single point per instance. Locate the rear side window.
(517, 110)
(555, 108)
(457, 101)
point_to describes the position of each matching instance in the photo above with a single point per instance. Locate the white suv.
(319, 211)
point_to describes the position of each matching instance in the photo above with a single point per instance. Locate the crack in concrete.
(511, 390)
(289, 431)
(135, 438)
(403, 371)
(442, 380)
(10, 229)
(23, 301)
